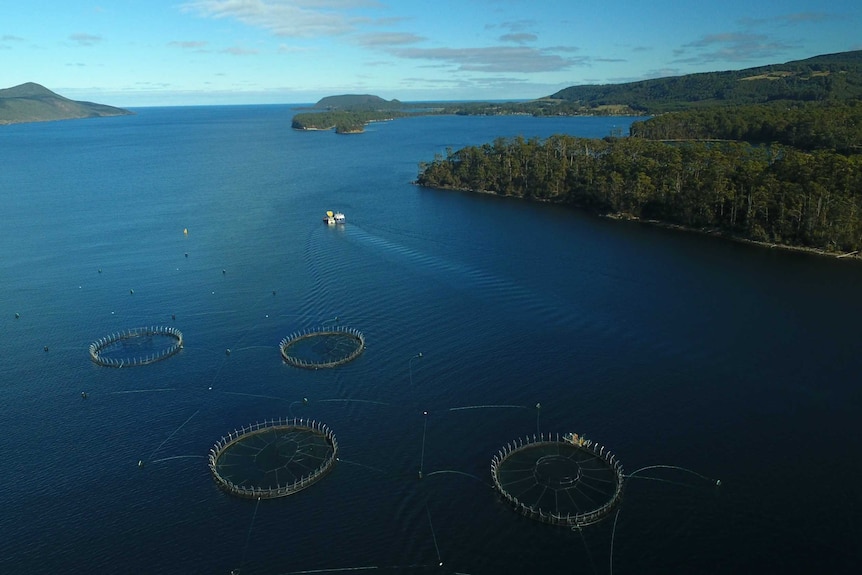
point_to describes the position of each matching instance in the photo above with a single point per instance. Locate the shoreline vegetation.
(825, 78)
(855, 255)
(774, 195)
(353, 120)
(343, 122)
(770, 156)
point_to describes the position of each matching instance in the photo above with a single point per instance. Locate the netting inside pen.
(323, 347)
(273, 458)
(138, 346)
(561, 480)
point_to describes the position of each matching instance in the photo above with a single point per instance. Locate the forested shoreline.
(828, 125)
(343, 121)
(775, 194)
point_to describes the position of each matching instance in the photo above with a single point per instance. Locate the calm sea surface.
(693, 359)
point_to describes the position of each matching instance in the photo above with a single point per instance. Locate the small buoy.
(227, 351)
(141, 463)
(210, 388)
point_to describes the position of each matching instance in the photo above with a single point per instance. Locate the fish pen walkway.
(569, 481)
(273, 458)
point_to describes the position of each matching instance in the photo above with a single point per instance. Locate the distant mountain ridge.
(31, 102)
(836, 77)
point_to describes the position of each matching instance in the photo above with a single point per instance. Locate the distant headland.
(31, 102)
(348, 113)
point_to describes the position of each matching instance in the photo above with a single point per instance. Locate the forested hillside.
(769, 154)
(833, 77)
(774, 194)
(806, 125)
(344, 122)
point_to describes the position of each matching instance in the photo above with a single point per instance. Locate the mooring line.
(144, 390)
(433, 535)
(631, 475)
(487, 407)
(248, 535)
(179, 457)
(470, 475)
(613, 534)
(172, 434)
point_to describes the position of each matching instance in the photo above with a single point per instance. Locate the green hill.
(832, 77)
(357, 102)
(34, 103)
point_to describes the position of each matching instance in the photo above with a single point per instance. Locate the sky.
(197, 52)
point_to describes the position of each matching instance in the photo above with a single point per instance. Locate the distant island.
(771, 155)
(357, 102)
(348, 113)
(31, 102)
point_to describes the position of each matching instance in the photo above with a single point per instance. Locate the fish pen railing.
(312, 427)
(293, 339)
(534, 511)
(97, 347)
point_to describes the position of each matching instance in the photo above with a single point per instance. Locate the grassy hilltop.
(31, 102)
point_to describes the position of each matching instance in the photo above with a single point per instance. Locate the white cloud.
(189, 44)
(239, 51)
(383, 39)
(85, 39)
(513, 25)
(731, 47)
(519, 37)
(289, 18)
(789, 19)
(494, 59)
(286, 49)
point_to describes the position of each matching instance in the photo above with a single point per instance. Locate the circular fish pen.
(138, 346)
(569, 481)
(322, 347)
(273, 458)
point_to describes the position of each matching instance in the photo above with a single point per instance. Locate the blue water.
(735, 362)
